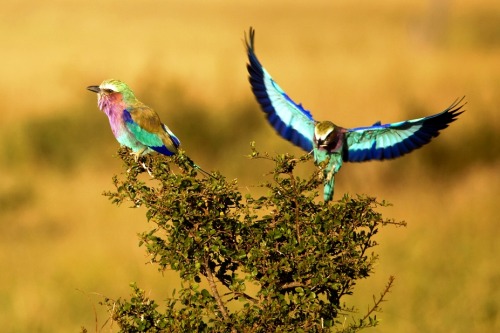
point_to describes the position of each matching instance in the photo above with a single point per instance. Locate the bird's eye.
(108, 91)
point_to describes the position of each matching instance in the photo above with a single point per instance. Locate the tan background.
(353, 62)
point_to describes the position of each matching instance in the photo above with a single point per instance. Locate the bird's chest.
(117, 123)
(329, 161)
(121, 131)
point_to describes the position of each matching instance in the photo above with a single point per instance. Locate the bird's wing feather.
(386, 141)
(145, 124)
(289, 119)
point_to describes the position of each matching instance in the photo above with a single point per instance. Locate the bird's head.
(328, 136)
(111, 90)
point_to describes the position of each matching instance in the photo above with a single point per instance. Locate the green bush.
(300, 255)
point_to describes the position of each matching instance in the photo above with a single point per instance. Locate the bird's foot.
(136, 156)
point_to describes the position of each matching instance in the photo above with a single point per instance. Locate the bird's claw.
(136, 156)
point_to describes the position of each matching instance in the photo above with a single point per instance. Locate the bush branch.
(215, 292)
(376, 305)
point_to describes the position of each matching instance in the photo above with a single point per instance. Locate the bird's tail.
(203, 172)
(191, 163)
(329, 187)
(330, 164)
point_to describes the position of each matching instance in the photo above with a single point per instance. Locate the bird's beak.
(95, 89)
(321, 144)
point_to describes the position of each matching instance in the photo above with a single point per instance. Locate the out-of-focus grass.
(60, 234)
(352, 62)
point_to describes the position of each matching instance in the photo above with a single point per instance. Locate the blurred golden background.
(353, 62)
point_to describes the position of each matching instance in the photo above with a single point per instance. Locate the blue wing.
(379, 142)
(174, 140)
(289, 119)
(151, 132)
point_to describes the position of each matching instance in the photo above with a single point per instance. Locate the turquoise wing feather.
(288, 118)
(387, 141)
(151, 132)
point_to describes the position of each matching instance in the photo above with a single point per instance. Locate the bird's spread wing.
(147, 128)
(289, 119)
(386, 141)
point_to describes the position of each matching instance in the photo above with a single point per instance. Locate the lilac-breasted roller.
(332, 144)
(134, 124)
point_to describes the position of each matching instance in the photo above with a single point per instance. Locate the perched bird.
(332, 144)
(134, 124)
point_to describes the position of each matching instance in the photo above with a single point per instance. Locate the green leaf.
(279, 262)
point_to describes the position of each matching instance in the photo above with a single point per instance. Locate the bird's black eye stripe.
(108, 91)
(331, 136)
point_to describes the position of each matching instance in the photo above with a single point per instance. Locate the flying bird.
(134, 124)
(332, 144)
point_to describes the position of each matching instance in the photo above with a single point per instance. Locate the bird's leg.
(137, 155)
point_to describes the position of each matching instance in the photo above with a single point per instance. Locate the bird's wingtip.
(456, 108)
(249, 42)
